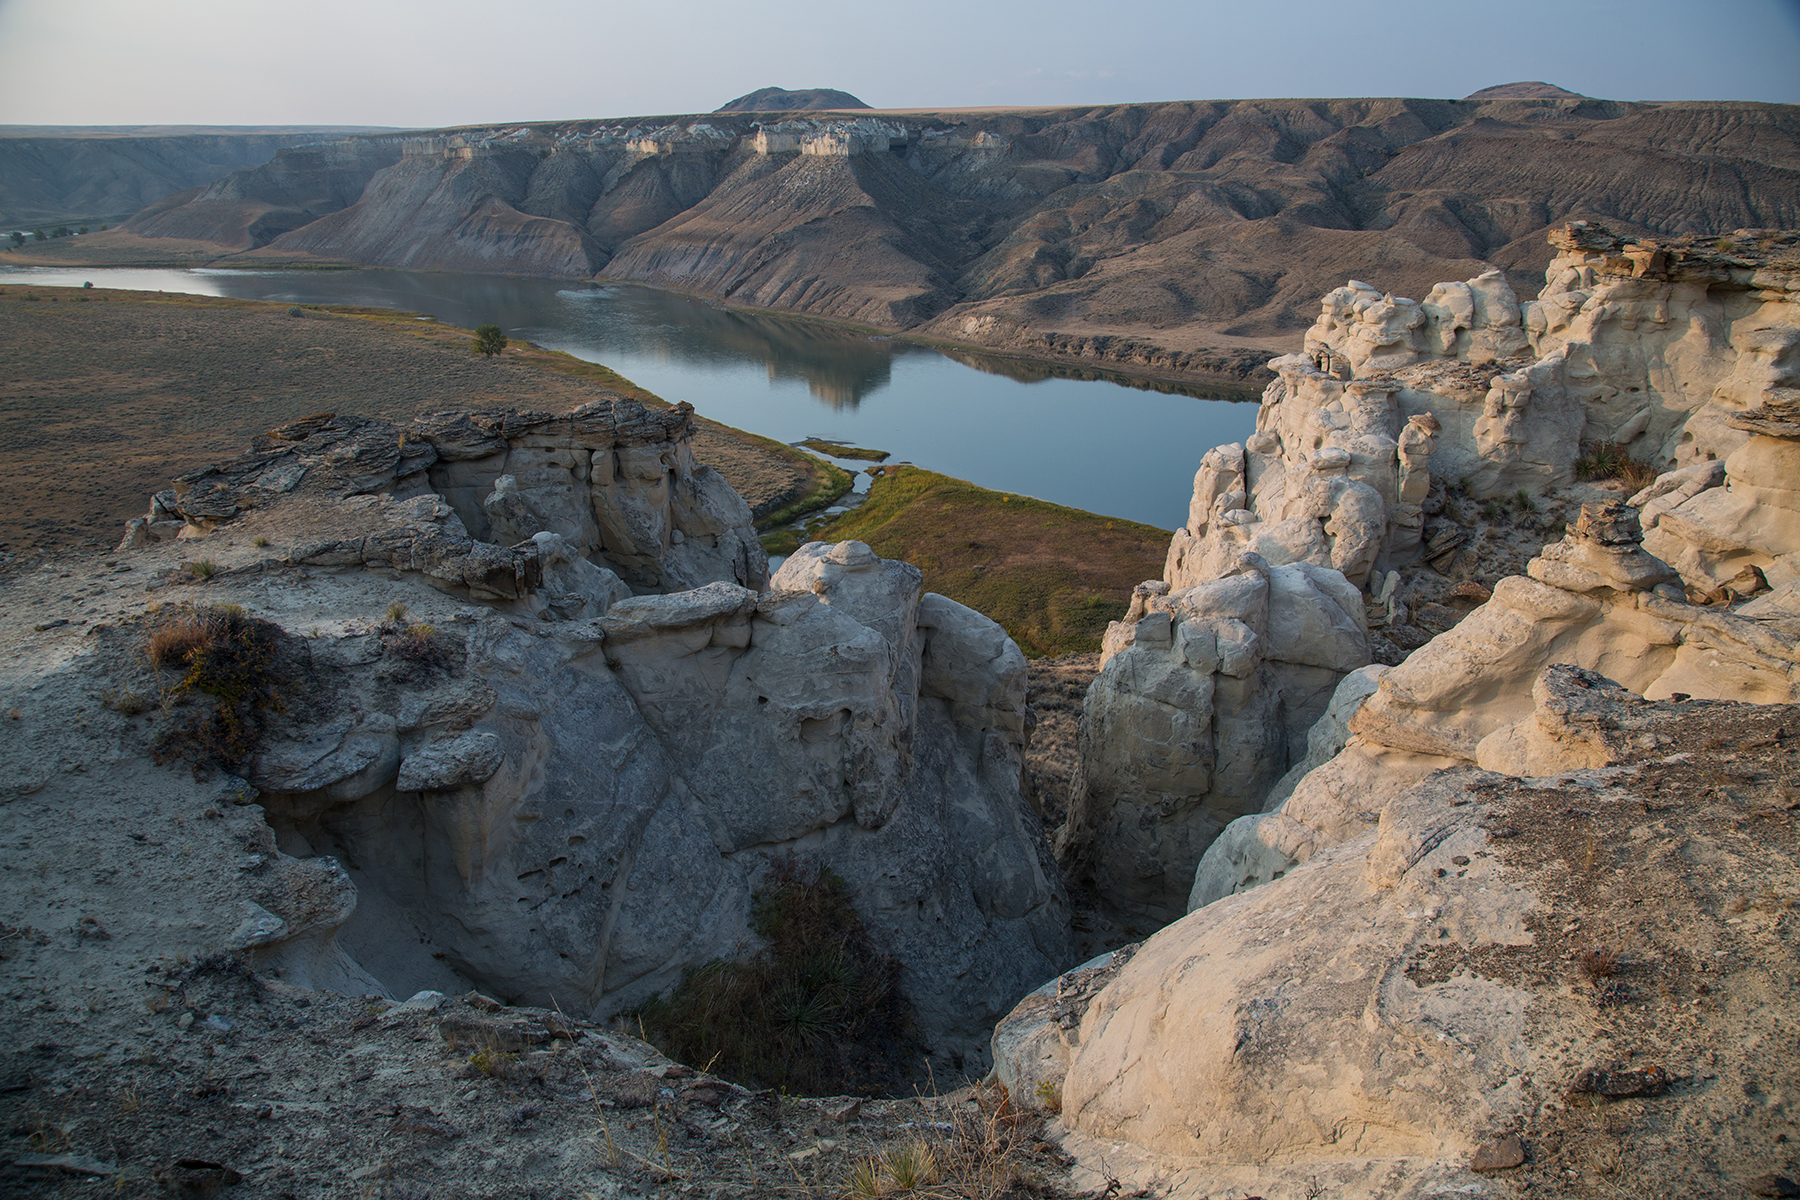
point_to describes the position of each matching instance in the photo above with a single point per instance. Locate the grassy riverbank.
(108, 394)
(1052, 576)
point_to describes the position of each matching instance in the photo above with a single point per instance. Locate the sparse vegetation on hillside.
(1052, 576)
(817, 1010)
(231, 683)
(1609, 460)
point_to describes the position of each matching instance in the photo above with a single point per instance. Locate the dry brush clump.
(233, 673)
(817, 1010)
(985, 1149)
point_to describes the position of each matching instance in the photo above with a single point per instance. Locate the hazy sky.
(445, 62)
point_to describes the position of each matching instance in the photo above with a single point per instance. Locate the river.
(1110, 444)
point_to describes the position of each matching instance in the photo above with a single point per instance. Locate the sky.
(425, 63)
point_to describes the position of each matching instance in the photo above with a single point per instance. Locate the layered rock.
(1731, 528)
(1204, 699)
(1672, 350)
(615, 483)
(1596, 600)
(567, 791)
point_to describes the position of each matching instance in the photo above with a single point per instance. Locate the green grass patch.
(1609, 460)
(829, 483)
(1051, 576)
(840, 450)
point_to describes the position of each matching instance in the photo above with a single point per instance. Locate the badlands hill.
(774, 100)
(57, 173)
(1172, 237)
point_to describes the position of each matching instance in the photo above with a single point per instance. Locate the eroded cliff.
(1182, 237)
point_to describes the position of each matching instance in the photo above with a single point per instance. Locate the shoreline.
(1237, 390)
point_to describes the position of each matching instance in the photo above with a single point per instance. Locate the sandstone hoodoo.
(1400, 952)
(1372, 449)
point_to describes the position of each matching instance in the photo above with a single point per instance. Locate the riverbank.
(1132, 358)
(109, 394)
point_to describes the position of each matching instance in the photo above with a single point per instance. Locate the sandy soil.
(107, 395)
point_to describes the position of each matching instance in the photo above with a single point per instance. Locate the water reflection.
(839, 366)
(1068, 434)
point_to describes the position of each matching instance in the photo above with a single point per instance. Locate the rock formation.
(614, 484)
(1677, 351)
(567, 789)
(1205, 697)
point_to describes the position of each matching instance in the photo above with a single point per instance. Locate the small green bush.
(1609, 460)
(489, 340)
(818, 1010)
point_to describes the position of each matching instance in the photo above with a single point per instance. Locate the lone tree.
(489, 340)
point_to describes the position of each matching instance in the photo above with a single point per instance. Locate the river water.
(1108, 444)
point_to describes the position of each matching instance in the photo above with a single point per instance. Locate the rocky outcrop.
(568, 791)
(1596, 600)
(508, 501)
(1383, 1017)
(1732, 528)
(1359, 440)
(1204, 699)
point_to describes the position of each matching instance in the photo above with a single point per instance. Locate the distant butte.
(1535, 89)
(774, 99)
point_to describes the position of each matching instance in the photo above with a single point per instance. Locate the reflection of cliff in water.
(1031, 370)
(839, 366)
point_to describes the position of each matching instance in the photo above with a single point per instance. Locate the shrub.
(1599, 963)
(294, 310)
(1609, 460)
(817, 1010)
(202, 568)
(231, 686)
(489, 340)
(396, 612)
(18, 239)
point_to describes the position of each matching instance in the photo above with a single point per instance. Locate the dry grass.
(981, 1152)
(1600, 962)
(231, 683)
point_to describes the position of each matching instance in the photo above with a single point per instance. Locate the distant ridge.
(1535, 89)
(774, 99)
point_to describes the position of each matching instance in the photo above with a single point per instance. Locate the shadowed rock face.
(1174, 237)
(774, 99)
(570, 791)
(69, 173)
